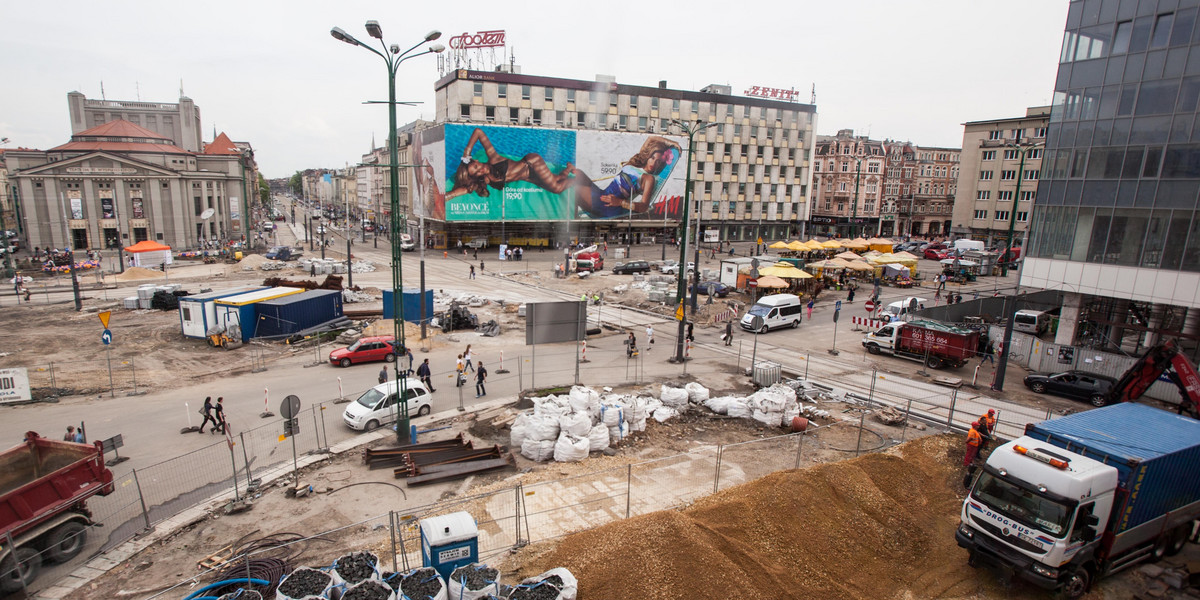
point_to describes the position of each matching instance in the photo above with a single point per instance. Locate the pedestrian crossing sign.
(679, 312)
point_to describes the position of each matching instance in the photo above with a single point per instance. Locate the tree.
(264, 190)
(297, 183)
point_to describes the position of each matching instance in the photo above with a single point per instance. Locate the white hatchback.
(380, 405)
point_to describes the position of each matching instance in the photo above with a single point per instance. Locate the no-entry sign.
(869, 305)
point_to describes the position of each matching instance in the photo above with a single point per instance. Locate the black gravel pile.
(475, 577)
(356, 567)
(242, 595)
(420, 584)
(368, 590)
(542, 590)
(304, 582)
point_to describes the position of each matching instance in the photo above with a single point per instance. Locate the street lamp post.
(1012, 217)
(854, 203)
(392, 57)
(691, 129)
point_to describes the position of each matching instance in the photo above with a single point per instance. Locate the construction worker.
(974, 439)
(988, 427)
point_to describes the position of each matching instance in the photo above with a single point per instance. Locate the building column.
(1068, 319)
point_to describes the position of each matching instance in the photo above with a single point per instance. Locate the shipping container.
(198, 313)
(289, 315)
(412, 304)
(240, 311)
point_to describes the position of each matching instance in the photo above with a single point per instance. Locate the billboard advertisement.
(490, 173)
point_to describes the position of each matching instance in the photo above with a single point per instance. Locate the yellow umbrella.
(780, 245)
(771, 281)
(833, 244)
(798, 246)
(905, 255)
(855, 244)
(784, 270)
(847, 255)
(858, 265)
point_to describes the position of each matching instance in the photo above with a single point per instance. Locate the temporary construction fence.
(523, 513)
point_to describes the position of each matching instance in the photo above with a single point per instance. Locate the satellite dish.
(207, 214)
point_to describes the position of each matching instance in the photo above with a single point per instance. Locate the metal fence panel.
(747, 461)
(673, 481)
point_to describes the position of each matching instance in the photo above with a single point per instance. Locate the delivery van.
(1036, 322)
(777, 311)
(380, 405)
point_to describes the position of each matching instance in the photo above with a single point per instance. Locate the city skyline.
(272, 76)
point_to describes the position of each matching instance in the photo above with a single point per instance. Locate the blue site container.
(1155, 453)
(290, 315)
(449, 542)
(241, 310)
(197, 313)
(412, 304)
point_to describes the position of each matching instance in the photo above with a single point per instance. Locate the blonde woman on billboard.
(475, 177)
(634, 187)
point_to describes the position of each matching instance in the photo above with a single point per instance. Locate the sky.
(267, 72)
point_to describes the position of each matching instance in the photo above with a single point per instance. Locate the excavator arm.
(1164, 357)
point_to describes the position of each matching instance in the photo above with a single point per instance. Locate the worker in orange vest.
(974, 439)
(987, 427)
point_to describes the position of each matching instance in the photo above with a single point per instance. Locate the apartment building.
(848, 181)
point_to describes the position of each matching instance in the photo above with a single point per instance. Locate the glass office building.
(1115, 223)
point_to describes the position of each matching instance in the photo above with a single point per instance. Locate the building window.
(478, 89)
(548, 94)
(490, 114)
(846, 167)
(579, 119)
(1008, 175)
(502, 90)
(1120, 40)
(988, 155)
(1016, 133)
(464, 111)
(1039, 132)
(1162, 30)
(641, 123)
(1028, 196)
(1004, 195)
(612, 99)
(560, 118)
(1002, 215)
(843, 186)
(654, 104)
(633, 102)
(817, 167)
(1022, 216)
(872, 167)
(994, 135)
(537, 116)
(622, 120)
(513, 113)
(1034, 153)
(525, 92)
(1011, 154)
(1031, 175)
(985, 175)
(675, 104)
(570, 95)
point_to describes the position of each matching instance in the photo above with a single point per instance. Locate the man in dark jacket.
(480, 378)
(424, 374)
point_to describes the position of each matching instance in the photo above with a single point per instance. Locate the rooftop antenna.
(814, 94)
(181, 87)
(137, 87)
(102, 90)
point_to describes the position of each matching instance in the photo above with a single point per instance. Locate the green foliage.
(297, 183)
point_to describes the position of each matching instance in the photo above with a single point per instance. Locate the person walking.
(691, 336)
(424, 375)
(472, 275)
(480, 378)
(850, 296)
(481, 266)
(219, 415)
(208, 416)
(649, 336)
(630, 345)
(989, 353)
(810, 307)
(18, 281)
(383, 375)
(459, 378)
(974, 439)
(728, 333)
(467, 360)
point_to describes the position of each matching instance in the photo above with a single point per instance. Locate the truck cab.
(883, 339)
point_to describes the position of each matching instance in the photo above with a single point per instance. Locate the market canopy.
(780, 245)
(798, 246)
(906, 255)
(880, 244)
(784, 270)
(771, 281)
(832, 244)
(858, 244)
(959, 262)
(858, 265)
(146, 246)
(847, 255)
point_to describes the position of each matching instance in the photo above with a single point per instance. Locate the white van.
(900, 308)
(406, 242)
(776, 310)
(381, 404)
(964, 245)
(1036, 322)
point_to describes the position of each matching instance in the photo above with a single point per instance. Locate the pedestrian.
(630, 345)
(649, 336)
(850, 296)
(383, 375)
(79, 439)
(409, 357)
(459, 378)
(942, 281)
(957, 298)
(467, 360)
(691, 337)
(728, 337)
(219, 413)
(424, 374)
(810, 307)
(481, 266)
(480, 378)
(208, 416)
(70, 435)
(989, 353)
(475, 254)
(472, 275)
(974, 439)
(713, 254)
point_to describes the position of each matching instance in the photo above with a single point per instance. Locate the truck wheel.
(872, 349)
(1076, 583)
(1099, 400)
(1178, 539)
(933, 362)
(65, 542)
(19, 569)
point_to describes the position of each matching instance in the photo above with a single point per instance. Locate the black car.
(633, 266)
(717, 288)
(1072, 384)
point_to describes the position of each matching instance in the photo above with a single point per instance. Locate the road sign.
(869, 305)
(104, 317)
(837, 305)
(106, 337)
(756, 323)
(679, 312)
(289, 407)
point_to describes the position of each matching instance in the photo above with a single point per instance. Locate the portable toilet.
(239, 311)
(449, 542)
(197, 313)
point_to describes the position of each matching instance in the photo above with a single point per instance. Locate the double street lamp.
(690, 129)
(1023, 149)
(392, 57)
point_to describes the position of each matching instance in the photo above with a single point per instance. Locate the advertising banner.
(136, 201)
(107, 211)
(76, 204)
(510, 173)
(14, 385)
(628, 175)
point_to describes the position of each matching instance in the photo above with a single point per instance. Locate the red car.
(933, 254)
(368, 349)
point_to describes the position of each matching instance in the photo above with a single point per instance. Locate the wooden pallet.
(216, 559)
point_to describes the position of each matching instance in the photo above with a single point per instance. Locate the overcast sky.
(270, 74)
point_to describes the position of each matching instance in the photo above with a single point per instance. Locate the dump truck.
(44, 486)
(1082, 496)
(936, 344)
(284, 253)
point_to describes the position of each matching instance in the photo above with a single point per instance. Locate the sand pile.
(880, 526)
(252, 261)
(136, 273)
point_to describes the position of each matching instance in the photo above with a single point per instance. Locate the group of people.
(978, 437)
(463, 364)
(19, 287)
(75, 435)
(214, 413)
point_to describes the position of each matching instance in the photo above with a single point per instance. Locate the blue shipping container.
(197, 314)
(412, 304)
(1154, 451)
(289, 315)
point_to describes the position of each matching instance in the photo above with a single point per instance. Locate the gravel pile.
(879, 526)
(305, 582)
(368, 590)
(356, 567)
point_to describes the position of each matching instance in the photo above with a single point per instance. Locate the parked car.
(268, 227)
(673, 268)
(320, 230)
(717, 288)
(1072, 384)
(407, 243)
(935, 254)
(477, 243)
(367, 349)
(280, 217)
(633, 266)
(381, 404)
(667, 266)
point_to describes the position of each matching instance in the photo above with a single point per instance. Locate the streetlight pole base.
(833, 351)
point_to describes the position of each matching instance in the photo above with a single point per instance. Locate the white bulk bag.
(569, 448)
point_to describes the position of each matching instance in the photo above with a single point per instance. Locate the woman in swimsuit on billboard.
(473, 176)
(632, 189)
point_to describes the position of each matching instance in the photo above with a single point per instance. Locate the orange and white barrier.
(870, 324)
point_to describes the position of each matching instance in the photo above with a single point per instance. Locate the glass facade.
(1121, 172)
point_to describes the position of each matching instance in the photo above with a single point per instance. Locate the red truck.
(935, 344)
(44, 486)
